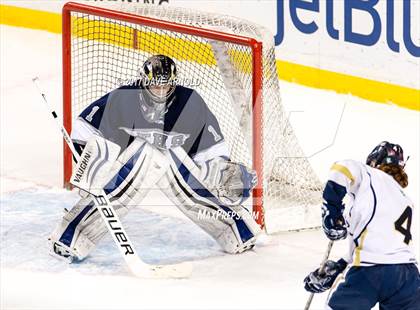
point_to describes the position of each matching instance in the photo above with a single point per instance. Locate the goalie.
(155, 133)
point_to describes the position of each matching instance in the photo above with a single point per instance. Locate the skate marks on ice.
(28, 217)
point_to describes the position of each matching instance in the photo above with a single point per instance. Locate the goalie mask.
(386, 153)
(159, 83)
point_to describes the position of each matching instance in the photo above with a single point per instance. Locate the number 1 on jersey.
(89, 117)
(398, 224)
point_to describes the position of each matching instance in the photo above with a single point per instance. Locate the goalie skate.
(61, 251)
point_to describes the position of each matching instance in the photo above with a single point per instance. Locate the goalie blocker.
(216, 190)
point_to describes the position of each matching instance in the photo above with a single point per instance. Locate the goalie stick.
(321, 270)
(138, 267)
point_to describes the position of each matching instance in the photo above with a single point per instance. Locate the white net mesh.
(106, 52)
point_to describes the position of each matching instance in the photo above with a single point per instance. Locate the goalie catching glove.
(319, 281)
(231, 182)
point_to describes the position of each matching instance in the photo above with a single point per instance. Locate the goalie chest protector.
(187, 121)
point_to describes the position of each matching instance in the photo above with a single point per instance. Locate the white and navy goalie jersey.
(379, 213)
(186, 122)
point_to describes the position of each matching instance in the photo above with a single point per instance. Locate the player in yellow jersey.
(377, 222)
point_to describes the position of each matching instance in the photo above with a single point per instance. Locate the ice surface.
(219, 280)
(329, 127)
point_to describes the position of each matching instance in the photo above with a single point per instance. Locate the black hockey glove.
(333, 223)
(318, 282)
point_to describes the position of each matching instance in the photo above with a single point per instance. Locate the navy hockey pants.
(394, 287)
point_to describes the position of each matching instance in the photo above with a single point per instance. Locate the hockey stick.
(321, 270)
(114, 226)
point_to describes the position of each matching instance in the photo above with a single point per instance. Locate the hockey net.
(229, 61)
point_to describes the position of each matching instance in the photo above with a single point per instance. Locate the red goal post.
(257, 76)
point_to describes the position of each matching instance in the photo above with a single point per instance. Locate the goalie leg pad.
(233, 227)
(134, 173)
(79, 231)
(137, 170)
